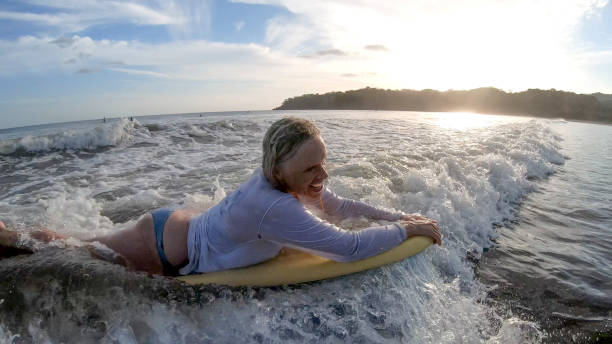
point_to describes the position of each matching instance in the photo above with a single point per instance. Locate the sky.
(67, 60)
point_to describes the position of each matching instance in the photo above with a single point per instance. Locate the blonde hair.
(282, 140)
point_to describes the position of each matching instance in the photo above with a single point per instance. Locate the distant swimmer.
(266, 213)
(104, 120)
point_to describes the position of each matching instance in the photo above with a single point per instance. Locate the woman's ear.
(278, 180)
(276, 175)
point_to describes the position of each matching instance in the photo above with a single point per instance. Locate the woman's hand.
(428, 228)
(417, 217)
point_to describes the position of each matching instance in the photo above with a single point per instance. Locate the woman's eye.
(313, 168)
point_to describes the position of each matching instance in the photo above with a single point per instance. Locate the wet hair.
(282, 140)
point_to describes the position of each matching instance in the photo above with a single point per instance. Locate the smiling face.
(305, 172)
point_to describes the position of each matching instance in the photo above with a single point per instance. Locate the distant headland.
(533, 102)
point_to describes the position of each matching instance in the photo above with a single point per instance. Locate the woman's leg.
(128, 245)
(136, 245)
(7, 238)
(10, 241)
(139, 247)
(10, 244)
(11, 238)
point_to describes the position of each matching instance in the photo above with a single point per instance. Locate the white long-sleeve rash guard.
(253, 223)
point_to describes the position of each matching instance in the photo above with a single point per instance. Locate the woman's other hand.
(428, 228)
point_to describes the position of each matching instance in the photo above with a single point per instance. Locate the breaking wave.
(102, 135)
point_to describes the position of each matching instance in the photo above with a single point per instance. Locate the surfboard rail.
(294, 266)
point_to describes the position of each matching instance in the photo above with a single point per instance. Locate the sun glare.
(453, 55)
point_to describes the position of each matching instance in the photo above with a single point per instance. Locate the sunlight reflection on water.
(466, 120)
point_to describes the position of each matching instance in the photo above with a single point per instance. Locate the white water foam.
(102, 135)
(5, 335)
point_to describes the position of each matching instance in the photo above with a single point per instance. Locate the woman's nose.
(324, 174)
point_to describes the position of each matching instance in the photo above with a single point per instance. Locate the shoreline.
(462, 111)
(537, 102)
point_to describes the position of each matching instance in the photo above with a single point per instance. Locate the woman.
(266, 213)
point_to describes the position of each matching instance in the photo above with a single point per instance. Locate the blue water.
(556, 260)
(534, 194)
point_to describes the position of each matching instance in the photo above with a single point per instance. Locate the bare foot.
(47, 235)
(8, 238)
(11, 238)
(9, 243)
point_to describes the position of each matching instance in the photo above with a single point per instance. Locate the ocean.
(523, 203)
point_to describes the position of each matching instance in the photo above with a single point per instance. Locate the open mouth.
(316, 187)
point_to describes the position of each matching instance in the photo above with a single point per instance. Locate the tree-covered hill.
(534, 102)
(605, 99)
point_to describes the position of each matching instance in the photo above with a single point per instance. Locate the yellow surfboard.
(293, 266)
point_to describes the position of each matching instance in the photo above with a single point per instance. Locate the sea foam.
(102, 135)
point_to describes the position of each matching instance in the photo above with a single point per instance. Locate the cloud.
(376, 47)
(333, 52)
(140, 72)
(239, 25)
(84, 56)
(86, 71)
(46, 19)
(325, 52)
(114, 63)
(294, 35)
(63, 42)
(191, 18)
(449, 44)
(345, 23)
(180, 76)
(181, 60)
(172, 77)
(143, 15)
(183, 18)
(349, 75)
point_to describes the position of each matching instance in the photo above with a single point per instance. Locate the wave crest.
(103, 135)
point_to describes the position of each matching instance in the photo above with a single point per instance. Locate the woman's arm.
(339, 207)
(289, 224)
